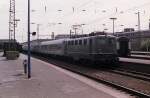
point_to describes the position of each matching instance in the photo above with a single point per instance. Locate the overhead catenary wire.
(87, 4)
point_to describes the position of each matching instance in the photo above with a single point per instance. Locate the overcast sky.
(94, 14)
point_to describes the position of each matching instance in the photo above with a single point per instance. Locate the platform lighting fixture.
(33, 10)
(103, 11)
(59, 10)
(149, 23)
(122, 26)
(139, 23)
(104, 24)
(105, 29)
(113, 19)
(83, 10)
(82, 27)
(59, 23)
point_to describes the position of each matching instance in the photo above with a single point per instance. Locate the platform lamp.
(149, 24)
(113, 19)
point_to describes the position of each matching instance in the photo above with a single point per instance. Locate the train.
(123, 46)
(99, 48)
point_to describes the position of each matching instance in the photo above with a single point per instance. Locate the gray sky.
(97, 13)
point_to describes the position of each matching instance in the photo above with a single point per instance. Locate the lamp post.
(122, 27)
(139, 29)
(105, 29)
(16, 22)
(113, 19)
(139, 23)
(38, 31)
(149, 24)
(29, 52)
(82, 27)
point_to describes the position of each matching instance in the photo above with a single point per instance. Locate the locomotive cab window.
(101, 41)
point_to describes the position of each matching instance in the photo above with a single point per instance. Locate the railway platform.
(135, 60)
(140, 53)
(49, 81)
(140, 56)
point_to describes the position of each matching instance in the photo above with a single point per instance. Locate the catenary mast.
(12, 20)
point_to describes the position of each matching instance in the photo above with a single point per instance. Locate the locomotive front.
(105, 47)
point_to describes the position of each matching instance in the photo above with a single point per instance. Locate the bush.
(12, 55)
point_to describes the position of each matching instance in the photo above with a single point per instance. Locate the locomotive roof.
(53, 41)
(107, 36)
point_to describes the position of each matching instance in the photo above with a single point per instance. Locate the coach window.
(71, 43)
(68, 42)
(45, 47)
(85, 41)
(80, 42)
(90, 41)
(76, 42)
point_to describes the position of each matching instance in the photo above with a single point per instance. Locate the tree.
(145, 45)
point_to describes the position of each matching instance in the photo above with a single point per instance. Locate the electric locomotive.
(94, 48)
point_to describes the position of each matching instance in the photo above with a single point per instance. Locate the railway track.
(135, 67)
(140, 53)
(138, 75)
(101, 75)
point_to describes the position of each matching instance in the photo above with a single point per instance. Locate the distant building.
(128, 29)
(136, 38)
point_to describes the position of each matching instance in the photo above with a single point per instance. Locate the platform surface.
(142, 56)
(49, 81)
(134, 60)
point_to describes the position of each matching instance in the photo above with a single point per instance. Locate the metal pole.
(75, 30)
(38, 34)
(113, 19)
(29, 53)
(113, 27)
(139, 24)
(149, 24)
(37, 31)
(14, 22)
(9, 19)
(70, 33)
